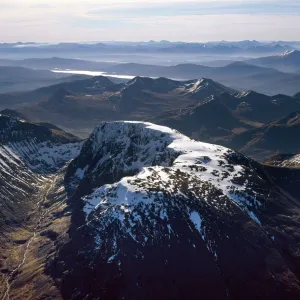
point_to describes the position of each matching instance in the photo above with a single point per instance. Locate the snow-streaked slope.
(28, 153)
(17, 182)
(37, 146)
(43, 156)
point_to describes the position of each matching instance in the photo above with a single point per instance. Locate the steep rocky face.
(157, 215)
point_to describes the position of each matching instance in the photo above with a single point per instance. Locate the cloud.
(201, 20)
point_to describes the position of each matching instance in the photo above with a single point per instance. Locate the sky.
(141, 20)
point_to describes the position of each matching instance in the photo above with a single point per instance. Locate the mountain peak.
(205, 87)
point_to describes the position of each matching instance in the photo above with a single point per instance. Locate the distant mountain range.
(238, 75)
(217, 48)
(271, 75)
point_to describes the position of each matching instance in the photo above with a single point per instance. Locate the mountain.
(150, 206)
(79, 106)
(288, 61)
(142, 212)
(273, 138)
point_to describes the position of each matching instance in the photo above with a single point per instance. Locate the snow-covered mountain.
(158, 215)
(141, 211)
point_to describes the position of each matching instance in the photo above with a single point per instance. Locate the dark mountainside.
(273, 138)
(197, 121)
(263, 108)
